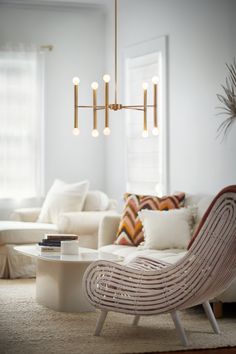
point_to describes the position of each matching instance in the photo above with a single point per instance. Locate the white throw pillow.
(96, 201)
(166, 229)
(61, 198)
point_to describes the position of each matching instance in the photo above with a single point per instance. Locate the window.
(145, 157)
(21, 119)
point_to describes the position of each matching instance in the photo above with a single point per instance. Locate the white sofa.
(23, 228)
(108, 229)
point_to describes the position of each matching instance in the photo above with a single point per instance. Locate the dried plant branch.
(228, 100)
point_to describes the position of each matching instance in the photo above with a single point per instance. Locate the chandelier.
(115, 106)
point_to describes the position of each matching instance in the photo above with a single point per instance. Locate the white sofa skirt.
(15, 233)
(15, 265)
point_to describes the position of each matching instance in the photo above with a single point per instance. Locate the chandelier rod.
(116, 54)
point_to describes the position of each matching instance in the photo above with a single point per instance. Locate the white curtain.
(21, 122)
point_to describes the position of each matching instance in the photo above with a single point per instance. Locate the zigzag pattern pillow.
(130, 231)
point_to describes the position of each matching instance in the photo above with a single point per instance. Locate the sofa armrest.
(108, 229)
(81, 222)
(25, 214)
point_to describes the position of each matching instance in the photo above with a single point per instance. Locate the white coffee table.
(59, 277)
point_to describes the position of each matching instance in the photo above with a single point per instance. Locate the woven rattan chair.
(147, 287)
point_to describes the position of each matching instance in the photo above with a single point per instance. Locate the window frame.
(156, 45)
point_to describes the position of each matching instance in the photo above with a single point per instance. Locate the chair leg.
(100, 323)
(211, 317)
(136, 320)
(179, 328)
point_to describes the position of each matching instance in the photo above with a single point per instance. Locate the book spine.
(61, 238)
(60, 235)
(50, 249)
(52, 244)
(46, 241)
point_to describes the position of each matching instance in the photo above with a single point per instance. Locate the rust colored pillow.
(130, 231)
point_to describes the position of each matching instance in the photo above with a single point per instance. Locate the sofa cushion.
(166, 229)
(130, 231)
(25, 214)
(61, 198)
(81, 223)
(131, 252)
(201, 202)
(96, 201)
(202, 206)
(19, 232)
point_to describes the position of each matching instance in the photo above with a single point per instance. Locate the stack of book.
(52, 242)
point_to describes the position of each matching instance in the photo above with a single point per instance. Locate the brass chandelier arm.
(76, 125)
(106, 105)
(155, 118)
(136, 107)
(139, 106)
(103, 107)
(94, 107)
(145, 111)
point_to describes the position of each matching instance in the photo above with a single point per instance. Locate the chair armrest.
(81, 222)
(25, 214)
(108, 230)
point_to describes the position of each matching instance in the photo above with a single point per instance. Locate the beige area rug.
(29, 328)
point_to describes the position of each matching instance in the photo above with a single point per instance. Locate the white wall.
(77, 36)
(201, 39)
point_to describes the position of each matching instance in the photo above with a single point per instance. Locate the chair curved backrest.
(205, 271)
(211, 259)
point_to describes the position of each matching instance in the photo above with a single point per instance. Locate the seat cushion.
(131, 252)
(19, 232)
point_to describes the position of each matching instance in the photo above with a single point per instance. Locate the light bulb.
(95, 133)
(145, 85)
(94, 85)
(145, 134)
(155, 79)
(76, 131)
(107, 131)
(155, 131)
(76, 80)
(106, 78)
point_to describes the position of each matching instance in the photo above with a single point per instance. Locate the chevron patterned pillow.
(128, 221)
(130, 231)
